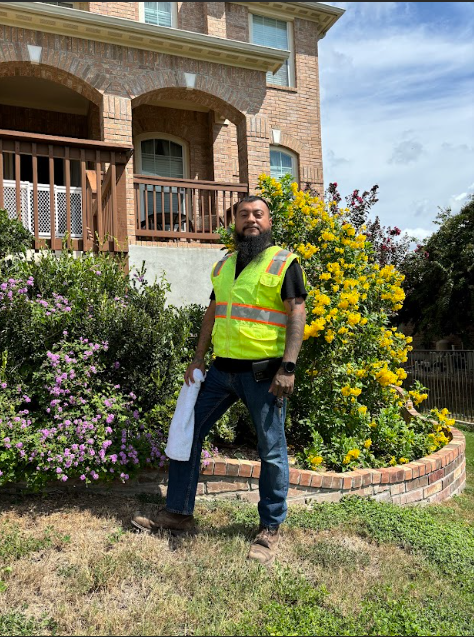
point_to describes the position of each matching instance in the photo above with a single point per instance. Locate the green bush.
(15, 239)
(58, 308)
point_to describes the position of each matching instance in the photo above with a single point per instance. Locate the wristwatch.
(289, 367)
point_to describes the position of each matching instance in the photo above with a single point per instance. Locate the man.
(256, 320)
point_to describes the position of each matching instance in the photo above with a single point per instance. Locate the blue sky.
(397, 107)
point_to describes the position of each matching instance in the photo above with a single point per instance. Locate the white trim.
(75, 23)
(157, 135)
(294, 159)
(289, 31)
(323, 15)
(174, 14)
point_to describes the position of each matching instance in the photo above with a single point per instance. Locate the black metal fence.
(449, 377)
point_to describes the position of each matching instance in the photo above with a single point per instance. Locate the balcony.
(65, 190)
(180, 209)
(73, 192)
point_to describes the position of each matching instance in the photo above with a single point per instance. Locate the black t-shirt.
(292, 288)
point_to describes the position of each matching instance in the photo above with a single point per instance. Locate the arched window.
(162, 155)
(283, 162)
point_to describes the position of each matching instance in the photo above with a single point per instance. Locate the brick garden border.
(429, 480)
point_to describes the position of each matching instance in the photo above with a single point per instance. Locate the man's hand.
(198, 363)
(203, 343)
(282, 384)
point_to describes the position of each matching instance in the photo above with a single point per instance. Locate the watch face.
(289, 367)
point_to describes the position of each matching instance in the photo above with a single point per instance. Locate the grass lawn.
(73, 566)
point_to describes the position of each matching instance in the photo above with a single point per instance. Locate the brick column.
(215, 17)
(117, 128)
(253, 136)
(224, 146)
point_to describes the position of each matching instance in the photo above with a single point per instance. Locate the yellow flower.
(367, 443)
(363, 410)
(329, 336)
(315, 460)
(353, 318)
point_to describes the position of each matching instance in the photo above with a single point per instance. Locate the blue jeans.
(219, 391)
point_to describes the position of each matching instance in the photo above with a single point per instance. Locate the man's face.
(252, 218)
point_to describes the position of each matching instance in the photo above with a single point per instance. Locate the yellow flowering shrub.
(345, 412)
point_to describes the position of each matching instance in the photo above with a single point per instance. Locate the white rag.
(180, 436)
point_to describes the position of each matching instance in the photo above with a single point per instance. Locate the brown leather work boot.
(164, 520)
(263, 548)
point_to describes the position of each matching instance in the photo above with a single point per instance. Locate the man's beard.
(251, 246)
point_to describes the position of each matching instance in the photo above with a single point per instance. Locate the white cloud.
(418, 233)
(396, 105)
(406, 152)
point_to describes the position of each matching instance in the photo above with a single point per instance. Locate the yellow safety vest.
(250, 320)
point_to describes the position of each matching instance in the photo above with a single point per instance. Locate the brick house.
(143, 122)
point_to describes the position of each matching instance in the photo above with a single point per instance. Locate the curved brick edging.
(431, 479)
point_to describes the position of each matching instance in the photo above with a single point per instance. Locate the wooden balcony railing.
(65, 189)
(184, 209)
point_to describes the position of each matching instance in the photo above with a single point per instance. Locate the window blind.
(281, 164)
(273, 33)
(159, 13)
(162, 157)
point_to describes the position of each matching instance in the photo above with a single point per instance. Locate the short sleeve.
(293, 283)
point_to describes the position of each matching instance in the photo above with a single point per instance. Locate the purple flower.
(83, 477)
(3, 385)
(59, 470)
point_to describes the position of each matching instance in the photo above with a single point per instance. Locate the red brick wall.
(191, 16)
(128, 10)
(237, 22)
(297, 112)
(191, 126)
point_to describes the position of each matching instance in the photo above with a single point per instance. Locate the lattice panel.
(44, 214)
(9, 198)
(44, 210)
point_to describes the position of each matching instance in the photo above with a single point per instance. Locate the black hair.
(250, 199)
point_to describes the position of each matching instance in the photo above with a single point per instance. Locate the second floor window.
(283, 163)
(160, 13)
(276, 34)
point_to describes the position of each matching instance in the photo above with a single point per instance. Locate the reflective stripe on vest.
(277, 264)
(257, 314)
(252, 313)
(219, 265)
(221, 310)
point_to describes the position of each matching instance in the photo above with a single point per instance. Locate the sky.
(397, 107)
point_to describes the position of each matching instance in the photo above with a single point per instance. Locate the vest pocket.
(257, 332)
(269, 280)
